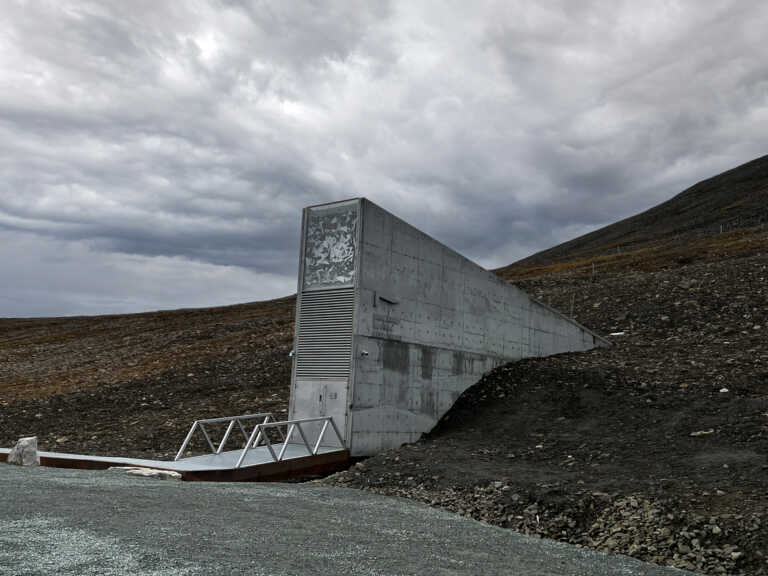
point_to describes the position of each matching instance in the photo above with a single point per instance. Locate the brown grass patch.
(655, 256)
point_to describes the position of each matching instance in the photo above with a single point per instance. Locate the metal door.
(316, 398)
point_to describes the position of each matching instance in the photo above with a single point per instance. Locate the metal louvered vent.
(324, 348)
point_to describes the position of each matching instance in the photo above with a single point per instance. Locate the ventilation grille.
(324, 347)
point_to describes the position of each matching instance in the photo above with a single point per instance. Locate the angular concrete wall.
(427, 324)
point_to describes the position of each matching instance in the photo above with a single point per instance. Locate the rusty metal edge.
(275, 471)
(268, 472)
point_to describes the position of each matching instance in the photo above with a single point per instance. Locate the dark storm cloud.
(166, 148)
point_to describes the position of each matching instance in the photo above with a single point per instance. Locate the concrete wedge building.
(392, 326)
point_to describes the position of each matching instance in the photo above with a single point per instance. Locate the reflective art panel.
(329, 256)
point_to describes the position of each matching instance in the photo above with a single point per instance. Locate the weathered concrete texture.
(73, 522)
(401, 389)
(429, 324)
(24, 453)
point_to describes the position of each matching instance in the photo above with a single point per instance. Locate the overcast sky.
(157, 154)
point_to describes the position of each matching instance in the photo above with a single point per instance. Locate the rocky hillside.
(734, 199)
(133, 384)
(656, 447)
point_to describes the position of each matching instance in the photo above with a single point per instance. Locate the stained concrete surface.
(74, 522)
(424, 324)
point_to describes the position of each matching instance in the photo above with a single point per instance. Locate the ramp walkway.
(296, 448)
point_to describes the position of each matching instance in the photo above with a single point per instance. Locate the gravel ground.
(106, 523)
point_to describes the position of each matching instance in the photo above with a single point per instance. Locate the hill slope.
(131, 384)
(656, 447)
(734, 199)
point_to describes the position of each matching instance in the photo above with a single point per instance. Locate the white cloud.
(193, 132)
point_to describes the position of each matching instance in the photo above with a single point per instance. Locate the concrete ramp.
(392, 326)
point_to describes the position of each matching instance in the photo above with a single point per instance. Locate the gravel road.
(77, 522)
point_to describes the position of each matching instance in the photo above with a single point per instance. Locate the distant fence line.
(760, 217)
(698, 228)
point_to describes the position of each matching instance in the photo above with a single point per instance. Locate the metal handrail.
(259, 434)
(265, 416)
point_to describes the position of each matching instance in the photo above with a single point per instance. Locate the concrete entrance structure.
(392, 326)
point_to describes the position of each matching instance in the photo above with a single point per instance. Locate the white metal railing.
(265, 417)
(259, 437)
